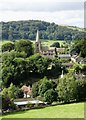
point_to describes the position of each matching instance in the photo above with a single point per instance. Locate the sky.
(65, 12)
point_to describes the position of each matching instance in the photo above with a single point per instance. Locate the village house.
(46, 51)
(64, 56)
(78, 59)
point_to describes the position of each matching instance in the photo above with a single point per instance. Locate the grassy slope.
(44, 42)
(75, 110)
(50, 42)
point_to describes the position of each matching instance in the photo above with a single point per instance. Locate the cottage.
(69, 65)
(77, 59)
(64, 56)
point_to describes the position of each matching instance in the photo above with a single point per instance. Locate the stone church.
(46, 51)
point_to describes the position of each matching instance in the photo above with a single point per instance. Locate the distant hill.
(27, 30)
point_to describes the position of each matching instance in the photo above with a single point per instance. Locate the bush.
(20, 94)
(67, 89)
(7, 46)
(55, 44)
(81, 90)
(44, 86)
(50, 96)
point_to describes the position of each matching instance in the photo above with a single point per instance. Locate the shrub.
(45, 85)
(67, 89)
(81, 90)
(50, 96)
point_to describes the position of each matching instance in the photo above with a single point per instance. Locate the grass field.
(75, 110)
(44, 42)
(50, 42)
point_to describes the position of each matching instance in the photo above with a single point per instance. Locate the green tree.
(24, 46)
(7, 46)
(55, 44)
(13, 68)
(79, 47)
(8, 96)
(81, 90)
(50, 96)
(12, 91)
(55, 70)
(67, 88)
(45, 85)
(38, 64)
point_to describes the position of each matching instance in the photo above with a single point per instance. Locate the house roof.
(21, 103)
(67, 64)
(27, 102)
(35, 101)
(64, 55)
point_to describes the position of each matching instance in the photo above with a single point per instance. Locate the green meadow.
(74, 110)
(50, 42)
(44, 42)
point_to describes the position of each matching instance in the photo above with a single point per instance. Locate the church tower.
(37, 43)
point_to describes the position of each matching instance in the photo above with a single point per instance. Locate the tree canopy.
(27, 30)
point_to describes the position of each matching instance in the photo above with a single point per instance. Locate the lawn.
(75, 110)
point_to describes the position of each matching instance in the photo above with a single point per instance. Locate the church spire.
(37, 36)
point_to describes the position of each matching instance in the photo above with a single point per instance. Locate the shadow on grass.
(25, 110)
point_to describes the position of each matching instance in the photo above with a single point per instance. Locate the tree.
(24, 46)
(67, 88)
(27, 30)
(44, 86)
(81, 90)
(79, 47)
(55, 44)
(55, 70)
(50, 96)
(35, 89)
(8, 96)
(20, 94)
(36, 64)
(7, 46)
(13, 68)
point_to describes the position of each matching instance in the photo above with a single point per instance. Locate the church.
(46, 51)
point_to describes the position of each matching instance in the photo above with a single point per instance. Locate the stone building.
(46, 51)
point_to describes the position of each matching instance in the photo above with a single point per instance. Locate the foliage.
(24, 46)
(55, 70)
(50, 96)
(27, 30)
(56, 44)
(35, 89)
(40, 87)
(13, 68)
(7, 103)
(8, 96)
(79, 47)
(81, 90)
(17, 67)
(20, 93)
(67, 88)
(44, 86)
(7, 46)
(80, 69)
(37, 64)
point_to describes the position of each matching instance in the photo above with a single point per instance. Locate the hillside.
(27, 30)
